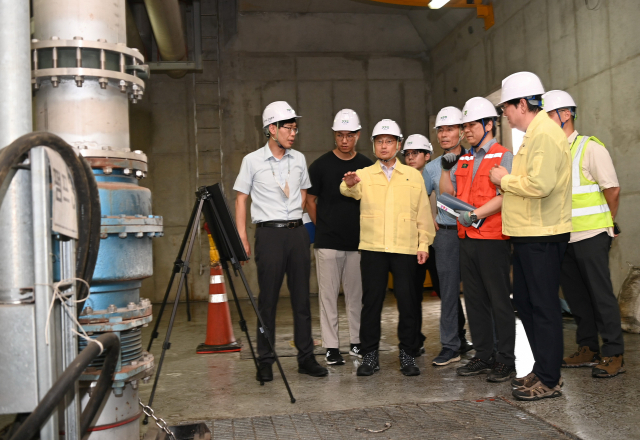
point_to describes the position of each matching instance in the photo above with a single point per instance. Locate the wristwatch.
(473, 217)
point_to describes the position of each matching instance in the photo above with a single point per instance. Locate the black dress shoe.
(264, 374)
(408, 364)
(465, 346)
(311, 367)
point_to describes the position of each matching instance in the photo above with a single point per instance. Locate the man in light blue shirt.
(447, 244)
(276, 178)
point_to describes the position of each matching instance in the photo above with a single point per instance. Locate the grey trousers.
(332, 267)
(447, 246)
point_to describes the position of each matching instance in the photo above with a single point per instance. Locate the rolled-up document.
(452, 205)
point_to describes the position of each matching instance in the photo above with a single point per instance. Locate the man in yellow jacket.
(536, 214)
(396, 228)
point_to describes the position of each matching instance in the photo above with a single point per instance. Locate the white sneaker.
(356, 350)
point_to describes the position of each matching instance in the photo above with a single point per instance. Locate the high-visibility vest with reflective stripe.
(589, 206)
(478, 191)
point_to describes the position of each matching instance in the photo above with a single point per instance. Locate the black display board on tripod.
(212, 202)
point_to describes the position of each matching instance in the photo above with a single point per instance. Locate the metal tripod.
(203, 197)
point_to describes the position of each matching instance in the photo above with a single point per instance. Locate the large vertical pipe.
(16, 239)
(166, 21)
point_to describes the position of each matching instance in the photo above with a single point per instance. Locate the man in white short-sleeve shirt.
(276, 178)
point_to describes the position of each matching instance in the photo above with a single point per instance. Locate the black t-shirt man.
(337, 217)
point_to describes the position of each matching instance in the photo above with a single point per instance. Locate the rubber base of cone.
(229, 348)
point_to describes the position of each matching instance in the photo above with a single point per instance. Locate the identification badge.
(465, 165)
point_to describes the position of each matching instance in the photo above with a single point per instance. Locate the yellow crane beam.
(483, 11)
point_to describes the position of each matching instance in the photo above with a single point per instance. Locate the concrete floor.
(203, 387)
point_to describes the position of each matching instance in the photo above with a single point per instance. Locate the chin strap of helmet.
(460, 137)
(395, 154)
(484, 128)
(560, 119)
(275, 138)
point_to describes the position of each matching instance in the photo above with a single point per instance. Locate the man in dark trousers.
(276, 178)
(417, 152)
(396, 230)
(337, 220)
(485, 253)
(536, 214)
(586, 280)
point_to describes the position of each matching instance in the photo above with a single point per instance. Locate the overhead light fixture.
(437, 4)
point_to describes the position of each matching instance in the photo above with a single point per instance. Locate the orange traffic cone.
(220, 337)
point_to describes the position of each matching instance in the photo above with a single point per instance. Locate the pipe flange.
(137, 226)
(87, 44)
(133, 163)
(131, 311)
(77, 60)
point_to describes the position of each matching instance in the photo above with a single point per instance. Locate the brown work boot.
(536, 392)
(584, 357)
(530, 380)
(525, 381)
(609, 366)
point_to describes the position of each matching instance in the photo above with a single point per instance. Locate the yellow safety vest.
(589, 206)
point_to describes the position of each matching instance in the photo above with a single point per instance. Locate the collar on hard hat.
(533, 101)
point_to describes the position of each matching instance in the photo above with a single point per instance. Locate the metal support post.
(70, 339)
(43, 272)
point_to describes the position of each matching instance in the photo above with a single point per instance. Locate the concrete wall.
(592, 54)
(196, 130)
(177, 126)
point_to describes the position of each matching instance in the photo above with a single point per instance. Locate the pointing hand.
(351, 178)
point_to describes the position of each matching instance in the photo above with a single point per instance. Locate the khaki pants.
(332, 267)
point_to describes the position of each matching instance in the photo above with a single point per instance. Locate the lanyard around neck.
(285, 187)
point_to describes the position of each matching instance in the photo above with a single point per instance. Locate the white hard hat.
(277, 111)
(387, 126)
(557, 99)
(520, 85)
(448, 116)
(346, 120)
(417, 142)
(478, 108)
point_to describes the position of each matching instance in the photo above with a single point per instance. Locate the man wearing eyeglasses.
(396, 230)
(337, 220)
(536, 214)
(485, 253)
(417, 152)
(276, 178)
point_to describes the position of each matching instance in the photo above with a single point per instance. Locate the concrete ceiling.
(431, 25)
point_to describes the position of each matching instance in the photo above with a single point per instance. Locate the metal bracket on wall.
(189, 66)
(483, 11)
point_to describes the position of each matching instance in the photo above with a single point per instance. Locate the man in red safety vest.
(484, 251)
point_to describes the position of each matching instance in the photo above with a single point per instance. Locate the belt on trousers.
(280, 224)
(447, 226)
